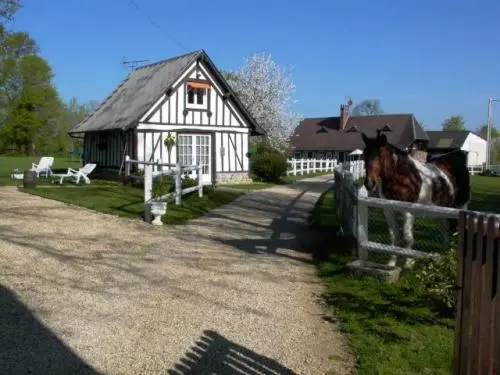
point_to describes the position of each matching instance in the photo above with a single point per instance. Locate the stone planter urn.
(158, 209)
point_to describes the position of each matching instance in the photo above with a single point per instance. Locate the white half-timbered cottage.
(185, 96)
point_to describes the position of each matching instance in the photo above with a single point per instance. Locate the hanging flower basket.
(169, 142)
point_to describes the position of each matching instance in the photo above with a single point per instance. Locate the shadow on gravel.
(288, 230)
(214, 354)
(28, 347)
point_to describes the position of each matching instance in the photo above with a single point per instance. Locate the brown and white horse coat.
(395, 175)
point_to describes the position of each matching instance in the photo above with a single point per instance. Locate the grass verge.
(128, 201)
(390, 327)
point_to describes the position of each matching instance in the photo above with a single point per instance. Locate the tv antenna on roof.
(131, 64)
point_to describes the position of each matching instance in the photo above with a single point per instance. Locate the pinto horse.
(394, 174)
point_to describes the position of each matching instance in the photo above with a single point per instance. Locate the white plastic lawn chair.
(43, 166)
(77, 174)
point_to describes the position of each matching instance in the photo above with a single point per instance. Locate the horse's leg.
(393, 233)
(408, 237)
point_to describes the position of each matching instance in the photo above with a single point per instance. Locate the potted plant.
(169, 143)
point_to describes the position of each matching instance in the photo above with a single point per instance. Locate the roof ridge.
(170, 59)
(414, 130)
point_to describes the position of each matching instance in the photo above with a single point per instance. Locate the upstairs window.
(197, 95)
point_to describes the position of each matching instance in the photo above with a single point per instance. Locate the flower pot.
(30, 179)
(158, 209)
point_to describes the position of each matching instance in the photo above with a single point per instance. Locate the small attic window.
(197, 94)
(323, 129)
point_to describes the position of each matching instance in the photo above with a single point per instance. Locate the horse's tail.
(462, 179)
(455, 163)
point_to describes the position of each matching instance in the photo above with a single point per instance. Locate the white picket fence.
(476, 169)
(353, 205)
(176, 170)
(306, 166)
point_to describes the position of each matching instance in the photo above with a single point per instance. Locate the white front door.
(194, 149)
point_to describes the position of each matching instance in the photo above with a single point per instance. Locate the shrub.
(163, 186)
(267, 164)
(436, 278)
(188, 182)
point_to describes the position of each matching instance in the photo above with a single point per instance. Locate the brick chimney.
(344, 114)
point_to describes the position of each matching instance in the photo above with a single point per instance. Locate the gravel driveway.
(233, 292)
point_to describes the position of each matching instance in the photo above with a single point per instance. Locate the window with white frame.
(197, 95)
(185, 149)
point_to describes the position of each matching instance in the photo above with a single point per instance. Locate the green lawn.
(128, 201)
(391, 328)
(108, 196)
(114, 198)
(23, 163)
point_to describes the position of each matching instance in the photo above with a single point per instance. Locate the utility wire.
(133, 3)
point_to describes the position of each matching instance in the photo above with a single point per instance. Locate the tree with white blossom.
(266, 90)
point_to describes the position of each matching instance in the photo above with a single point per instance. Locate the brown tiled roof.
(325, 133)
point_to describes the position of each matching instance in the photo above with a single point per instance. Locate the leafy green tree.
(454, 123)
(483, 131)
(31, 121)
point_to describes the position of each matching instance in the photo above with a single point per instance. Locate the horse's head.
(377, 156)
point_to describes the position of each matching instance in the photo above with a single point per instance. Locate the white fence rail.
(176, 170)
(306, 166)
(480, 168)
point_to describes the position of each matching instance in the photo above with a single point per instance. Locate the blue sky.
(431, 58)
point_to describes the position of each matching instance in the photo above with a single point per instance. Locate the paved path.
(233, 292)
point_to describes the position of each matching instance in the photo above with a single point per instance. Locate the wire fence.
(388, 231)
(427, 234)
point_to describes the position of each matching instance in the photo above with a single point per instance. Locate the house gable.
(217, 109)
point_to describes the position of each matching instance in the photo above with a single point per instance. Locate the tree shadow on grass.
(28, 347)
(214, 354)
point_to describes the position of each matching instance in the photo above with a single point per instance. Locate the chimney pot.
(344, 116)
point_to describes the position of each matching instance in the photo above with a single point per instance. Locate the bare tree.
(367, 107)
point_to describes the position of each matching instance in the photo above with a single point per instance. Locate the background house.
(328, 137)
(185, 97)
(442, 142)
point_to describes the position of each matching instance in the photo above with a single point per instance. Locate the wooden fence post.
(314, 165)
(294, 167)
(178, 184)
(200, 181)
(148, 186)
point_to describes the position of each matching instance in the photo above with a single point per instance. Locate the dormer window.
(197, 95)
